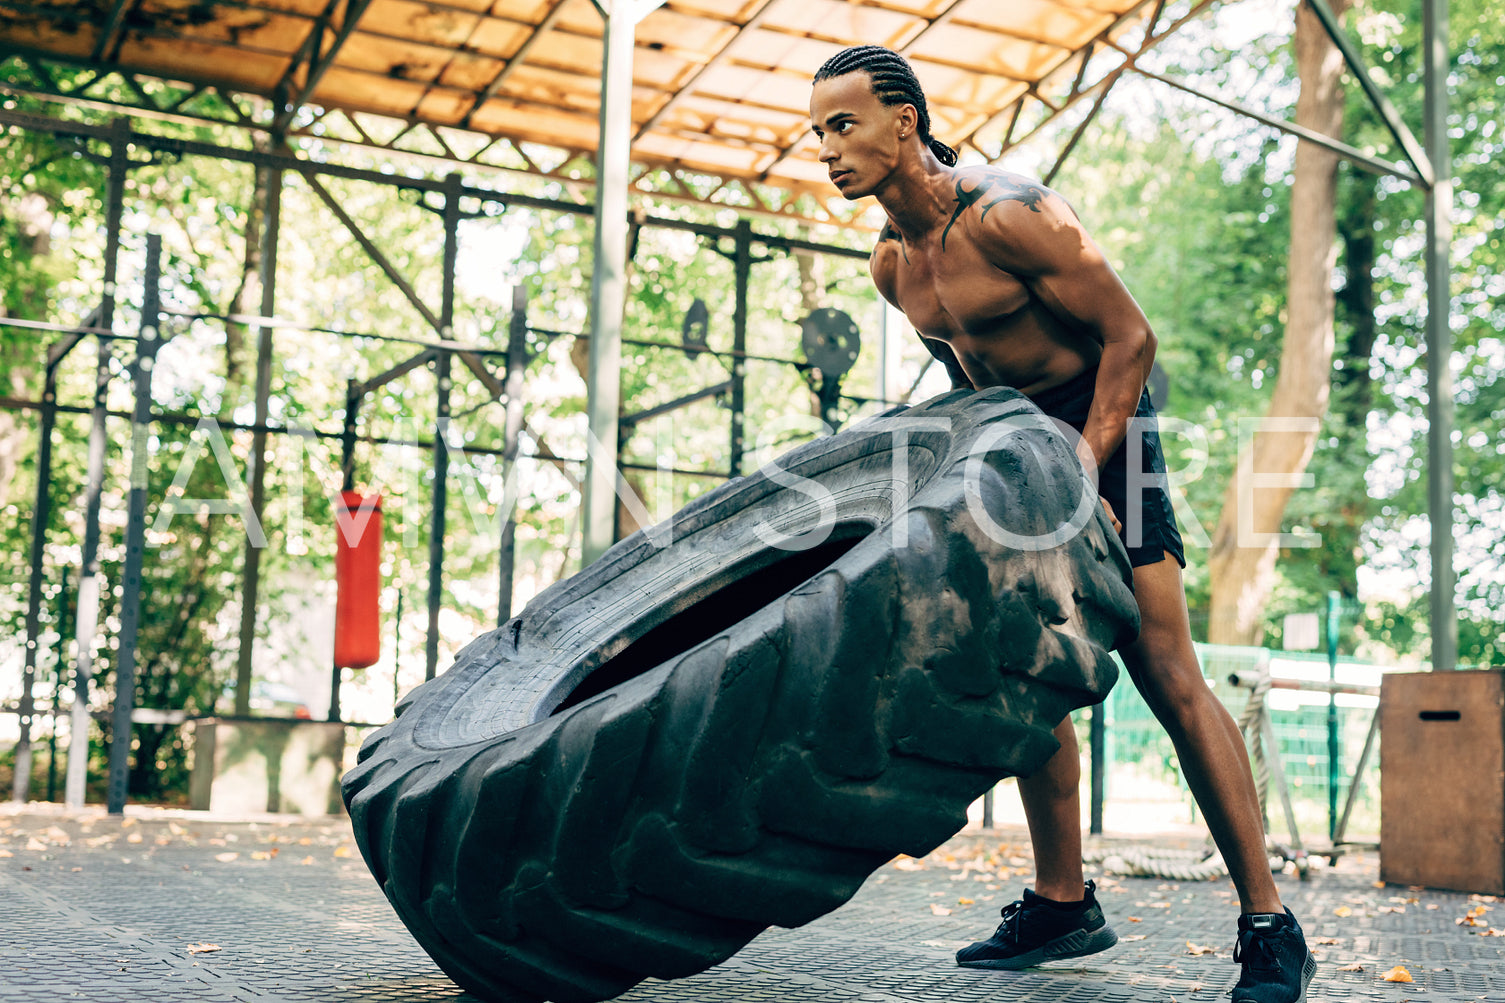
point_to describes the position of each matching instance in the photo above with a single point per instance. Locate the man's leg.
(1059, 918)
(1209, 747)
(1053, 809)
(1277, 966)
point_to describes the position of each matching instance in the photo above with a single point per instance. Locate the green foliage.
(1198, 228)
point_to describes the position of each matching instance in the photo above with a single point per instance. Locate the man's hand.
(1118, 527)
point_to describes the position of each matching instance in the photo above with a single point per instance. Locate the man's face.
(859, 135)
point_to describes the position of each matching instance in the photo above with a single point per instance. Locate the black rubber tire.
(682, 745)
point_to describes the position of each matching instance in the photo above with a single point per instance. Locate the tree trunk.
(239, 358)
(1353, 388)
(1242, 565)
(812, 298)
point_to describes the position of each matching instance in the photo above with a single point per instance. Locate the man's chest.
(949, 293)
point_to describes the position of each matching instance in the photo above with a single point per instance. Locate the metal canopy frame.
(203, 100)
(286, 110)
(441, 196)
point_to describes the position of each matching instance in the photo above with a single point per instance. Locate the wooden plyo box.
(1442, 780)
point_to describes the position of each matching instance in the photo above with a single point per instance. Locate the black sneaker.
(1036, 930)
(1277, 965)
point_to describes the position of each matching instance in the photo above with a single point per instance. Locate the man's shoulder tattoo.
(1004, 188)
(891, 232)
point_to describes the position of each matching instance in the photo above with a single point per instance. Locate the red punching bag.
(357, 574)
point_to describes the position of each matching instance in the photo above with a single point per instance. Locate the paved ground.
(166, 906)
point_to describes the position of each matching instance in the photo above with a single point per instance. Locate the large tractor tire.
(689, 742)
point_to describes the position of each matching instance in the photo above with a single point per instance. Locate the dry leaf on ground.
(1199, 949)
(1355, 967)
(227, 856)
(342, 851)
(939, 910)
(204, 948)
(1326, 941)
(1342, 911)
(1474, 917)
(1397, 974)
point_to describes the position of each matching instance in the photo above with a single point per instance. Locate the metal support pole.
(1278, 776)
(251, 580)
(1358, 775)
(354, 393)
(397, 651)
(135, 530)
(742, 266)
(41, 510)
(86, 622)
(1332, 716)
(517, 364)
(452, 190)
(1099, 752)
(436, 525)
(608, 283)
(1439, 207)
(59, 675)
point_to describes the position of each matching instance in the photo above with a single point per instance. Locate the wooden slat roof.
(720, 87)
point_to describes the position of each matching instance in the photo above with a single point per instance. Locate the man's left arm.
(1046, 246)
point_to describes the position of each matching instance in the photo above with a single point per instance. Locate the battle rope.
(1153, 862)
(1206, 864)
(1249, 725)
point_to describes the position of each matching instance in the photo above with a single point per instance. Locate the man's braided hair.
(894, 83)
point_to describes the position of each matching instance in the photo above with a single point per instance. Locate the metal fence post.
(251, 578)
(86, 621)
(135, 530)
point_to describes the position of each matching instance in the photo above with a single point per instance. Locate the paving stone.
(88, 914)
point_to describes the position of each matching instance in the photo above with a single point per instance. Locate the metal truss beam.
(1079, 89)
(944, 16)
(287, 161)
(111, 28)
(685, 89)
(1359, 158)
(1387, 112)
(306, 52)
(544, 27)
(1081, 129)
(573, 169)
(321, 63)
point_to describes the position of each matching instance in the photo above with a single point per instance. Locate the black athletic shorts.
(1149, 526)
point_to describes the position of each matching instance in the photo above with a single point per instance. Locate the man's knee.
(1169, 678)
(1061, 775)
